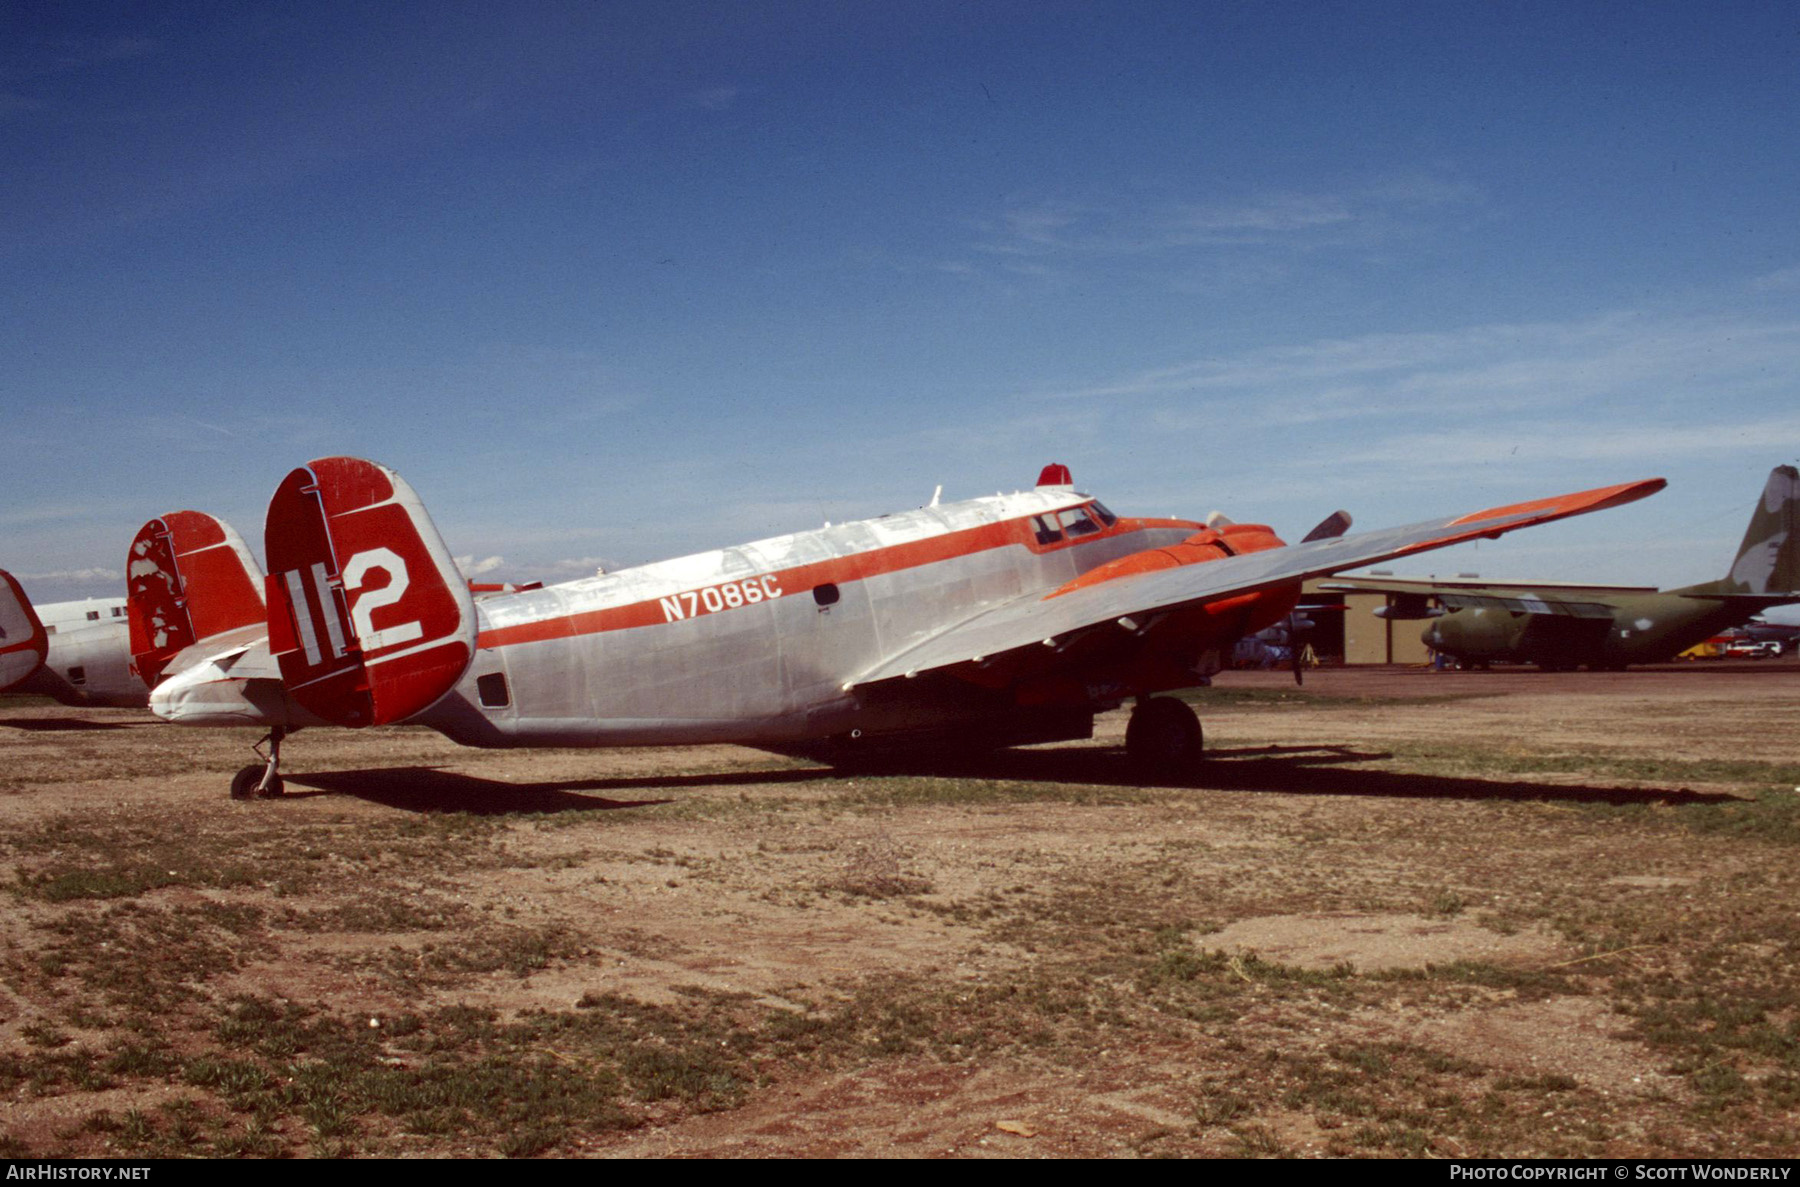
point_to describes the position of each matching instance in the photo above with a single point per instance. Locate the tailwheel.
(1163, 737)
(264, 781)
(247, 784)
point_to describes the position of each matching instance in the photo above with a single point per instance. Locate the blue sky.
(615, 282)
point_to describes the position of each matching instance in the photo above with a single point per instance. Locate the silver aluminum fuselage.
(735, 645)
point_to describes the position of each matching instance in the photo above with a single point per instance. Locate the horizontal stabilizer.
(369, 618)
(1747, 602)
(23, 641)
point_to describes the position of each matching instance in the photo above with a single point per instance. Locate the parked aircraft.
(1560, 626)
(996, 621)
(1783, 636)
(74, 652)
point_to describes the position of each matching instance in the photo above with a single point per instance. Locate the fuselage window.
(492, 690)
(1046, 534)
(93, 616)
(825, 595)
(118, 611)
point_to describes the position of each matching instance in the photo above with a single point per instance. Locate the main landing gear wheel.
(247, 784)
(1163, 737)
(261, 782)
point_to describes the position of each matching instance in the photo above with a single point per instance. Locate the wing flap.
(1035, 619)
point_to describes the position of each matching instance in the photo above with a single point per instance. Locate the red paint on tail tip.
(189, 578)
(156, 614)
(368, 617)
(1055, 474)
(23, 640)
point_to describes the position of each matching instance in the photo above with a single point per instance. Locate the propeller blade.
(1329, 528)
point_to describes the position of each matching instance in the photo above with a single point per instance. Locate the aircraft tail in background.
(189, 579)
(23, 641)
(1768, 561)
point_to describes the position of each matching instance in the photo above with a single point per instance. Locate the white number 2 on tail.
(363, 607)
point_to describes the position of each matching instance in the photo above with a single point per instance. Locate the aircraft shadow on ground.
(1293, 770)
(70, 724)
(1311, 770)
(432, 789)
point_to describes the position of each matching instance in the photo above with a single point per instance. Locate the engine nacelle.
(1402, 607)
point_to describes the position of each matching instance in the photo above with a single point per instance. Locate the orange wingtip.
(1560, 505)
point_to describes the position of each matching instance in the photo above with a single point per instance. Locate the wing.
(1413, 597)
(1130, 602)
(1501, 589)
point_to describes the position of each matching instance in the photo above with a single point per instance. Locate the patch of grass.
(1528, 983)
(875, 869)
(42, 1034)
(146, 959)
(46, 1073)
(1447, 903)
(1551, 1082)
(1220, 1108)
(1228, 697)
(520, 951)
(900, 791)
(1773, 817)
(141, 1061)
(377, 913)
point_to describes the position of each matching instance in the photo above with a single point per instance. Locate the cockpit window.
(1106, 517)
(1076, 523)
(1046, 533)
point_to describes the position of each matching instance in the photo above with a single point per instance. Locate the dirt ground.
(1395, 912)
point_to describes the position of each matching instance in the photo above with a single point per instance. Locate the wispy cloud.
(41, 58)
(96, 574)
(1280, 213)
(479, 568)
(1508, 366)
(1572, 439)
(570, 568)
(1780, 280)
(713, 99)
(1191, 230)
(14, 517)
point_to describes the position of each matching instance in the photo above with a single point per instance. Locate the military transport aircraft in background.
(1559, 626)
(997, 621)
(74, 652)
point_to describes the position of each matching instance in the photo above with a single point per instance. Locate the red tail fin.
(188, 579)
(23, 640)
(368, 615)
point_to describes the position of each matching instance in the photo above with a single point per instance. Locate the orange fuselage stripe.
(841, 570)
